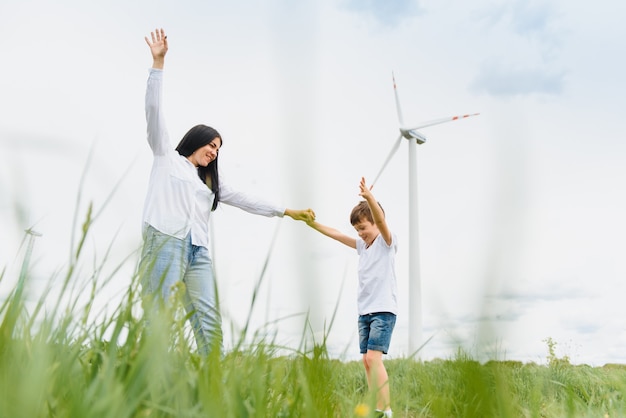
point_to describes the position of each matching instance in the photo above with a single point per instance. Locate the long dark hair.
(197, 137)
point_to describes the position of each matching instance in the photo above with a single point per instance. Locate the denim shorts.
(375, 331)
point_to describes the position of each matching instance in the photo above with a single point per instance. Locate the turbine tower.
(414, 138)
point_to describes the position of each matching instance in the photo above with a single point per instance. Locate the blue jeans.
(375, 331)
(166, 261)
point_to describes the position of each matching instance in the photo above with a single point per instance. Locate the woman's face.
(204, 155)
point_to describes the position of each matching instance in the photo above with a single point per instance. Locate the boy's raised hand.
(366, 192)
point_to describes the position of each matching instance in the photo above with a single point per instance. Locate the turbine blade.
(438, 121)
(393, 151)
(395, 92)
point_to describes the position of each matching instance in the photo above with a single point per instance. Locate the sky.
(521, 209)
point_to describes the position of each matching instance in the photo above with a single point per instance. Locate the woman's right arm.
(157, 133)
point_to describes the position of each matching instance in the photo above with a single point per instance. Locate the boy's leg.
(375, 336)
(364, 335)
(377, 378)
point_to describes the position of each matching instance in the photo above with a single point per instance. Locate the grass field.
(56, 362)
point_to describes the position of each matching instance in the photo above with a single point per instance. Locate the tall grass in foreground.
(59, 363)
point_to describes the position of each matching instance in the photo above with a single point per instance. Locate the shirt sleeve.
(158, 137)
(249, 203)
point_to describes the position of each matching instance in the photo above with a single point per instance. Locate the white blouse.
(178, 202)
(378, 287)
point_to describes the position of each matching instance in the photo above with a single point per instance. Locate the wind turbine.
(414, 137)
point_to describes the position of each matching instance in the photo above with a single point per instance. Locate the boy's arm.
(377, 213)
(333, 233)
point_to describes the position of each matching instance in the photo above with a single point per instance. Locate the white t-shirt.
(178, 202)
(377, 276)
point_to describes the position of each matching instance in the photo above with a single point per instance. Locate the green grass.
(59, 362)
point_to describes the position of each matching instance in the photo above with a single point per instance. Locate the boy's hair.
(362, 211)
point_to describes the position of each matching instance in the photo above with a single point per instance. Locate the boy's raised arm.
(377, 212)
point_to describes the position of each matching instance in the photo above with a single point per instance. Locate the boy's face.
(367, 231)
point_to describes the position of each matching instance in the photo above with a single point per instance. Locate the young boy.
(377, 301)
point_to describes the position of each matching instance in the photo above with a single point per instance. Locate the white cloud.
(524, 57)
(507, 82)
(387, 12)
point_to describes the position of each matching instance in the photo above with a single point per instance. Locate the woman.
(184, 189)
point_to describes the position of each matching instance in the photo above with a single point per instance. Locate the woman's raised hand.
(158, 47)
